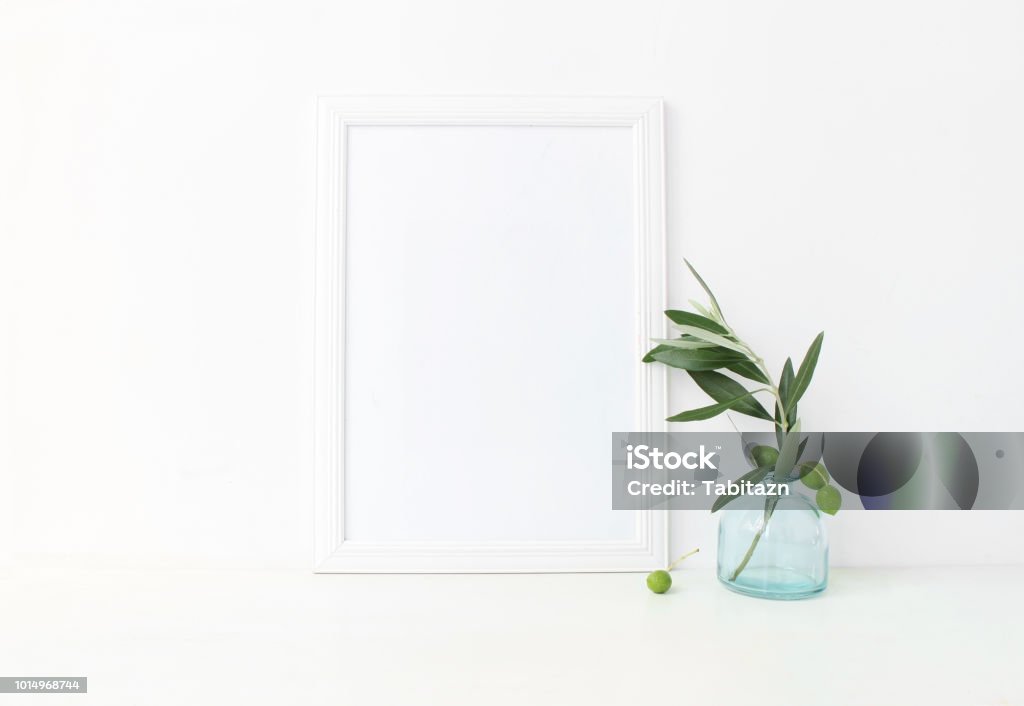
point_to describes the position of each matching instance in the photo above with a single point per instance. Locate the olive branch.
(709, 349)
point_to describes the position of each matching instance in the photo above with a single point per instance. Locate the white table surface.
(908, 636)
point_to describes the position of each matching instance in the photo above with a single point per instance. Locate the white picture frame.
(334, 552)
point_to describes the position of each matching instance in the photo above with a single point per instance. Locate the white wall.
(853, 167)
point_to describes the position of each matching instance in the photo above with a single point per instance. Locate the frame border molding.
(332, 552)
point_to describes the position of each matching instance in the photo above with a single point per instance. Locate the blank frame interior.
(485, 274)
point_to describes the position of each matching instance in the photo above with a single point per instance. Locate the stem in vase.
(769, 509)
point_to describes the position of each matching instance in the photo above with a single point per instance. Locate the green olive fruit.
(765, 455)
(659, 581)
(829, 500)
(814, 475)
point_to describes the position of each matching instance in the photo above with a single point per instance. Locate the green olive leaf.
(687, 343)
(722, 389)
(802, 379)
(686, 318)
(715, 338)
(788, 454)
(785, 385)
(710, 411)
(750, 372)
(697, 359)
(702, 309)
(717, 310)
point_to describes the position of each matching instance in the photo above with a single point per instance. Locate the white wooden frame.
(332, 552)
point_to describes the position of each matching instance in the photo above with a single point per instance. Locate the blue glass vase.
(779, 552)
